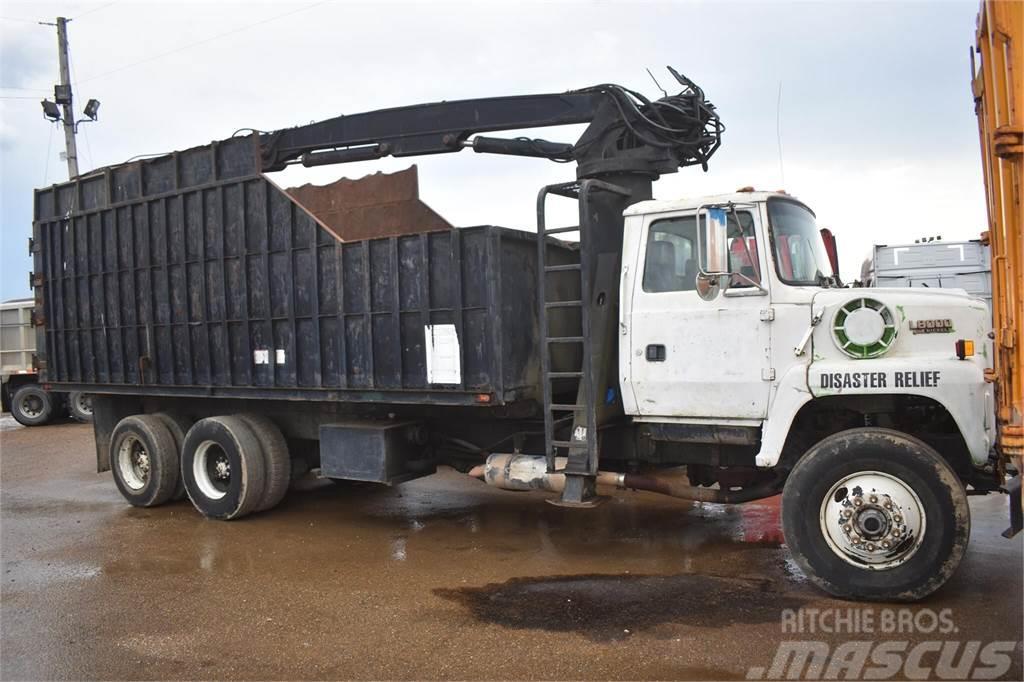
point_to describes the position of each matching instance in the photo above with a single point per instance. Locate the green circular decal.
(864, 328)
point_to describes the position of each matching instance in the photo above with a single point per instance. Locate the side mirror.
(715, 254)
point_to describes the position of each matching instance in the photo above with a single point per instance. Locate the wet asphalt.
(440, 578)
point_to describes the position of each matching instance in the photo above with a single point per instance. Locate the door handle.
(656, 352)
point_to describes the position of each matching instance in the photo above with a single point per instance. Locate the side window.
(743, 256)
(671, 261)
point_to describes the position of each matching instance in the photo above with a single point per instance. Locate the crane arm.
(627, 132)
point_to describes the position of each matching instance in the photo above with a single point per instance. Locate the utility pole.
(62, 94)
(61, 108)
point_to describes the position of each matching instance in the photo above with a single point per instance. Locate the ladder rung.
(559, 230)
(563, 304)
(562, 268)
(565, 375)
(565, 339)
(567, 407)
(567, 444)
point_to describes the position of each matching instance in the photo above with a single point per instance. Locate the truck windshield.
(800, 256)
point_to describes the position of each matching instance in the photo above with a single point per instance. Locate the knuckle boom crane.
(630, 141)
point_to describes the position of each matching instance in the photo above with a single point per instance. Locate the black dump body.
(192, 274)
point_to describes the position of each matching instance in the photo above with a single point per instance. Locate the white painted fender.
(790, 394)
(961, 389)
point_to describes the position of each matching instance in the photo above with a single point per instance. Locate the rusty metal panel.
(378, 205)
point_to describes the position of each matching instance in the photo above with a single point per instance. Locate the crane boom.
(627, 132)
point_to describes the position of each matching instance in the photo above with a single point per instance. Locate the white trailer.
(20, 392)
(934, 265)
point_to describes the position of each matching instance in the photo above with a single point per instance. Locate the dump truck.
(233, 331)
(30, 403)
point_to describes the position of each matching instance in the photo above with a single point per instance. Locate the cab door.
(694, 355)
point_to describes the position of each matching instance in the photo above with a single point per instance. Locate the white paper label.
(442, 345)
(261, 356)
(280, 356)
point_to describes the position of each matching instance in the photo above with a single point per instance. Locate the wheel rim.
(31, 406)
(133, 463)
(872, 520)
(211, 469)
(83, 403)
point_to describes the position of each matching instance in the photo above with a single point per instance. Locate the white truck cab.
(731, 316)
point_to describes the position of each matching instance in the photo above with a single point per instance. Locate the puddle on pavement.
(615, 607)
(25, 573)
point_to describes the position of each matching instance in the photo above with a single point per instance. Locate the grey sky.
(878, 129)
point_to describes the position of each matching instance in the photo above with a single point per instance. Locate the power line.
(26, 21)
(204, 41)
(6, 87)
(95, 9)
(32, 97)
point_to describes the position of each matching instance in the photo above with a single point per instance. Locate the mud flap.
(1016, 513)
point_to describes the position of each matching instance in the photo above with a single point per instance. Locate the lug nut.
(885, 544)
(871, 547)
(857, 502)
(873, 499)
(846, 528)
(897, 518)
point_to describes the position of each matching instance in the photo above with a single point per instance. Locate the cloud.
(877, 120)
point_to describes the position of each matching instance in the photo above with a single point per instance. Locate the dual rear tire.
(228, 466)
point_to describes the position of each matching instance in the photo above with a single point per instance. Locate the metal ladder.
(581, 449)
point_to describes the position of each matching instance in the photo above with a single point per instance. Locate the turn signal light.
(964, 348)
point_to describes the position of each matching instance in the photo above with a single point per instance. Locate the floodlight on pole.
(92, 109)
(51, 110)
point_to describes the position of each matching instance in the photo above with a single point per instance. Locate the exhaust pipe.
(526, 472)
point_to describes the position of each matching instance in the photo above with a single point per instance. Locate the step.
(565, 339)
(564, 304)
(565, 375)
(566, 407)
(562, 268)
(560, 230)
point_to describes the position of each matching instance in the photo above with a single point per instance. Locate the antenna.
(778, 134)
(656, 82)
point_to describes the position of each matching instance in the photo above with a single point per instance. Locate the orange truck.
(997, 73)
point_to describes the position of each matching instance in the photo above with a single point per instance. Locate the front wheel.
(875, 514)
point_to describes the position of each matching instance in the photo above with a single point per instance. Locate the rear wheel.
(178, 426)
(143, 458)
(222, 466)
(277, 463)
(31, 405)
(875, 514)
(80, 406)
